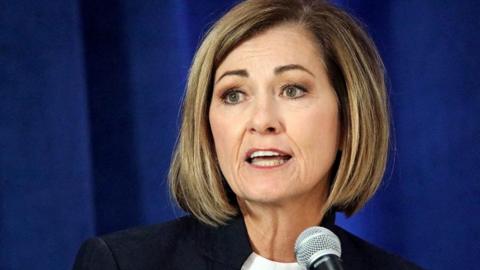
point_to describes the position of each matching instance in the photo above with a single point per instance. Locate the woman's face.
(274, 118)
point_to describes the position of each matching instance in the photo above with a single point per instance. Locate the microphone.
(318, 248)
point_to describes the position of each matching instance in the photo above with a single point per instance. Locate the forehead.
(279, 45)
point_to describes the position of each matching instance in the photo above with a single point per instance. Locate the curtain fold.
(46, 178)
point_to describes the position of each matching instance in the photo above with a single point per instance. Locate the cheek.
(225, 139)
(316, 135)
(324, 133)
(219, 137)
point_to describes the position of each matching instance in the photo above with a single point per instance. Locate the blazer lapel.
(225, 247)
(228, 246)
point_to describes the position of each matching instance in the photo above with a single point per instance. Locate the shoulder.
(168, 234)
(359, 254)
(140, 248)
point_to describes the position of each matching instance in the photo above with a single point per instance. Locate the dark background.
(89, 103)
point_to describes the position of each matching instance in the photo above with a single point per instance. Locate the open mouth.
(268, 160)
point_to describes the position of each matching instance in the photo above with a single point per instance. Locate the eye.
(293, 91)
(233, 97)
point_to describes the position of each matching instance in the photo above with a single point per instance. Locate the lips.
(267, 157)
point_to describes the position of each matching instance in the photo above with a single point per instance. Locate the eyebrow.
(238, 72)
(276, 71)
(281, 69)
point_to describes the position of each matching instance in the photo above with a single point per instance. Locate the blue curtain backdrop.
(89, 104)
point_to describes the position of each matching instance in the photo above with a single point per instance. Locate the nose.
(265, 118)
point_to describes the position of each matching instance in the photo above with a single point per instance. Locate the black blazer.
(186, 243)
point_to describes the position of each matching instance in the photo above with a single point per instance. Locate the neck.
(273, 230)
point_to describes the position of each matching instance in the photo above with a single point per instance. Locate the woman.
(285, 122)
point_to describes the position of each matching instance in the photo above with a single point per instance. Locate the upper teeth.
(263, 154)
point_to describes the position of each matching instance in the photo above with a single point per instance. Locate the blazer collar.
(229, 244)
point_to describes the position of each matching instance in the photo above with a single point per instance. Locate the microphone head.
(315, 242)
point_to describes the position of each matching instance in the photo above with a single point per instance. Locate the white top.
(257, 262)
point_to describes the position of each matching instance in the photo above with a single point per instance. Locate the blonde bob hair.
(356, 73)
